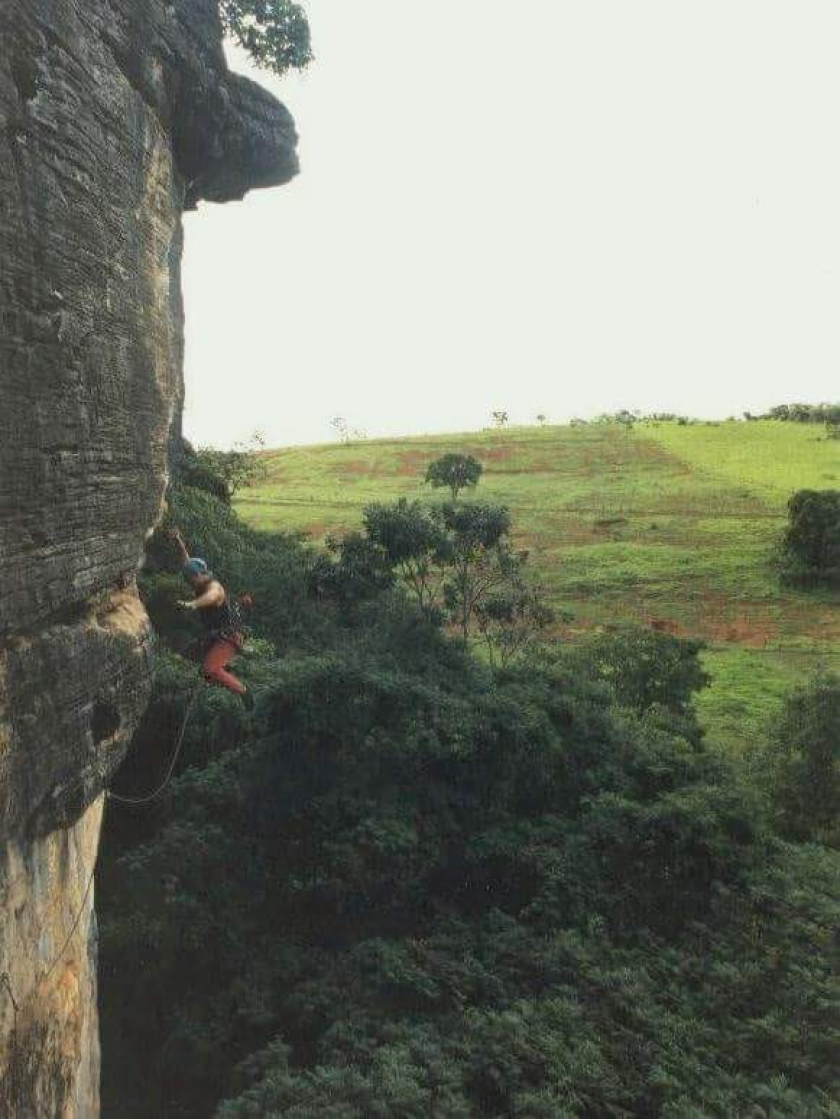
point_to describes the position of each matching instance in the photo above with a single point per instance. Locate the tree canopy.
(801, 763)
(811, 543)
(646, 669)
(414, 884)
(274, 32)
(454, 472)
(804, 413)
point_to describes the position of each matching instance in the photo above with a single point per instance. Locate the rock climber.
(220, 616)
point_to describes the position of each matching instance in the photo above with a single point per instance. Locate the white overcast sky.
(541, 206)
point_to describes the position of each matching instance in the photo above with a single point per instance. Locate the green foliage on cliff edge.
(417, 887)
(274, 32)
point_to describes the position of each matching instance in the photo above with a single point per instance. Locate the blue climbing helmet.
(195, 566)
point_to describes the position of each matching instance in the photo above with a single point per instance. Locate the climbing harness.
(225, 622)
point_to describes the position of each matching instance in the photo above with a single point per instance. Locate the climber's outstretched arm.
(213, 596)
(178, 540)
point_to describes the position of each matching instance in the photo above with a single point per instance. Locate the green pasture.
(666, 525)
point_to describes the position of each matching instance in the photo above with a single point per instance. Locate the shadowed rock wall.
(115, 115)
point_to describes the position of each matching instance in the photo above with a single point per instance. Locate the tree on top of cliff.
(274, 32)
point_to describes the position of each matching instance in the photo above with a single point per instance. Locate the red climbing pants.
(218, 657)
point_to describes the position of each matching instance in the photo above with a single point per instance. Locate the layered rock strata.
(115, 116)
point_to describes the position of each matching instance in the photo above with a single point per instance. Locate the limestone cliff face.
(115, 115)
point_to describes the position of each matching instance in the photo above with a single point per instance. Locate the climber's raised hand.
(177, 539)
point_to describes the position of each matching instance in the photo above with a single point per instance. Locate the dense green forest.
(415, 884)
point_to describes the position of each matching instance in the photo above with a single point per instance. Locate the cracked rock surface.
(115, 116)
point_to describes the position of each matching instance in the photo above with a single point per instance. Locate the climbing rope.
(161, 789)
(11, 1068)
(70, 935)
(5, 978)
(6, 984)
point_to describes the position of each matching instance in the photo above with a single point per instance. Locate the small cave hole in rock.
(105, 721)
(25, 77)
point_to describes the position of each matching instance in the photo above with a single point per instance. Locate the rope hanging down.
(6, 982)
(5, 978)
(161, 789)
(72, 932)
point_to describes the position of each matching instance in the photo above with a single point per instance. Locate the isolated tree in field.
(811, 543)
(500, 419)
(455, 473)
(542, 420)
(274, 32)
(342, 431)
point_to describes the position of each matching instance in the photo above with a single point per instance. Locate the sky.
(562, 207)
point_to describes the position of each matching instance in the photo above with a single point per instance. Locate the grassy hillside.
(666, 525)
